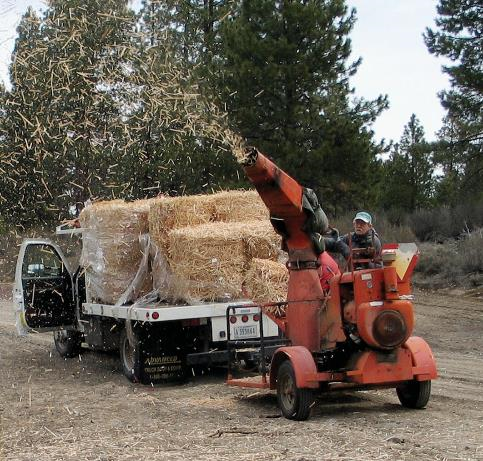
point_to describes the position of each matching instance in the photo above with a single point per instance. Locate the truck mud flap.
(161, 359)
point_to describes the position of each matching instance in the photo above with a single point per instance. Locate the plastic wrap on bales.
(266, 281)
(177, 212)
(210, 259)
(111, 251)
(167, 286)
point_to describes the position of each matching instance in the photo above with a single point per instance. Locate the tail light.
(233, 319)
(245, 318)
(256, 318)
(389, 329)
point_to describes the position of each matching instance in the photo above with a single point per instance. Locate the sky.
(388, 35)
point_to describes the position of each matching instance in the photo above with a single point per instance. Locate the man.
(355, 243)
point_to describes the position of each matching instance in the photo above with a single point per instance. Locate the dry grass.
(453, 263)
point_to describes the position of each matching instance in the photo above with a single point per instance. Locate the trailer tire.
(414, 394)
(68, 343)
(294, 402)
(130, 356)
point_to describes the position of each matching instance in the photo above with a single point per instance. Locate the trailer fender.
(424, 364)
(302, 362)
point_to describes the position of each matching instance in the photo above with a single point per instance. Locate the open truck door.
(43, 294)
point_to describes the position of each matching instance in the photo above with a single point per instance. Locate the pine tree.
(284, 75)
(24, 180)
(87, 47)
(459, 37)
(450, 160)
(173, 153)
(65, 128)
(408, 182)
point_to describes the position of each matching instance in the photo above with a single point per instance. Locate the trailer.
(156, 342)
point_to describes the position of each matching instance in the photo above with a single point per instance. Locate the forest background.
(110, 103)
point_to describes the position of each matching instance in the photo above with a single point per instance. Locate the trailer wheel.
(68, 343)
(414, 394)
(130, 356)
(294, 402)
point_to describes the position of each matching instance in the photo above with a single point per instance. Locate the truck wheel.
(130, 355)
(294, 402)
(414, 394)
(68, 343)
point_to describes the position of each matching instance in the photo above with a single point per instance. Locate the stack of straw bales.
(204, 248)
(111, 251)
(210, 240)
(192, 210)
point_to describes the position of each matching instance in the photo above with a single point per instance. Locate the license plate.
(245, 331)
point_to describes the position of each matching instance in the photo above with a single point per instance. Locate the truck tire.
(130, 356)
(294, 402)
(68, 343)
(414, 394)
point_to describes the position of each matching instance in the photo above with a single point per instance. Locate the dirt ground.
(84, 409)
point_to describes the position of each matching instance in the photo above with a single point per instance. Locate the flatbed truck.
(156, 342)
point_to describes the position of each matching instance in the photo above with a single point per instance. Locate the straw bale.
(177, 212)
(261, 240)
(239, 205)
(228, 206)
(211, 258)
(111, 251)
(266, 281)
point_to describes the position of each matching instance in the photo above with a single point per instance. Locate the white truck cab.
(156, 343)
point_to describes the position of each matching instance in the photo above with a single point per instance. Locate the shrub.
(470, 253)
(452, 263)
(440, 223)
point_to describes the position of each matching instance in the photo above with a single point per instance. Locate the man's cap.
(363, 216)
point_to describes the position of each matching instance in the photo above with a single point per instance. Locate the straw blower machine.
(357, 336)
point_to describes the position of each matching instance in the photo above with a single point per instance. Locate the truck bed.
(165, 313)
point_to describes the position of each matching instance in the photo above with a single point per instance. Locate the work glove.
(369, 241)
(333, 233)
(318, 243)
